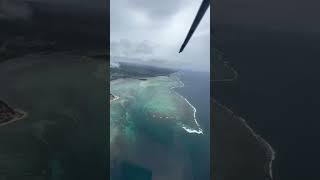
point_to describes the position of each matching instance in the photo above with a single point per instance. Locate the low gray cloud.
(158, 9)
(127, 48)
(70, 23)
(284, 15)
(144, 48)
(114, 64)
(14, 9)
(22, 9)
(153, 31)
(150, 62)
(91, 6)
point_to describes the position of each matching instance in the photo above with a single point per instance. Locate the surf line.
(181, 85)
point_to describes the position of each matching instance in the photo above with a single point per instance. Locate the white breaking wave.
(270, 153)
(192, 130)
(189, 130)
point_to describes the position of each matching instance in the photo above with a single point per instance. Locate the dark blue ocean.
(277, 92)
(197, 91)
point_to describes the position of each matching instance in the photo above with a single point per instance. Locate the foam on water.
(189, 130)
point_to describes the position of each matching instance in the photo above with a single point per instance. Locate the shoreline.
(269, 151)
(181, 85)
(189, 130)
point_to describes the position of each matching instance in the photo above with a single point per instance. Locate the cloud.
(70, 23)
(14, 9)
(285, 15)
(158, 9)
(125, 47)
(144, 48)
(154, 31)
(115, 60)
(22, 9)
(114, 64)
(143, 52)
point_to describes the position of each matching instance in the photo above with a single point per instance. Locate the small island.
(8, 114)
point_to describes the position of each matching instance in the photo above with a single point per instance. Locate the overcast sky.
(283, 15)
(153, 31)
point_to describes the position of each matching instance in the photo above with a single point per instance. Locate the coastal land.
(52, 115)
(236, 143)
(239, 152)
